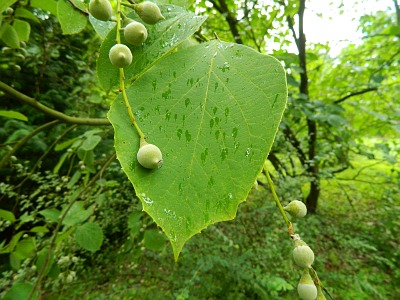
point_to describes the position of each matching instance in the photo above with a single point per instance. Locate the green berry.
(149, 156)
(303, 255)
(135, 33)
(100, 9)
(120, 55)
(296, 208)
(306, 287)
(9, 11)
(149, 12)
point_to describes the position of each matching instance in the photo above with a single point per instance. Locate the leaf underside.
(213, 110)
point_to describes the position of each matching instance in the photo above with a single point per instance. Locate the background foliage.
(350, 167)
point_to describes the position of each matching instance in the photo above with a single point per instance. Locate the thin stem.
(48, 111)
(77, 195)
(278, 203)
(122, 76)
(22, 142)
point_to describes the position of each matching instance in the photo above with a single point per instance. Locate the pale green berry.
(120, 55)
(303, 255)
(100, 9)
(135, 33)
(296, 208)
(149, 156)
(306, 287)
(149, 12)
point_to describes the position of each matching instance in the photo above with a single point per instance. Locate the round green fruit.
(296, 208)
(306, 287)
(120, 55)
(135, 33)
(100, 9)
(303, 255)
(149, 156)
(149, 12)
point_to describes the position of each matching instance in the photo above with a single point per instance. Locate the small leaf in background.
(13, 114)
(50, 214)
(23, 29)
(6, 3)
(20, 291)
(25, 247)
(41, 258)
(91, 142)
(26, 14)
(49, 5)
(9, 35)
(89, 236)
(39, 229)
(77, 214)
(7, 215)
(135, 223)
(214, 112)
(154, 240)
(15, 262)
(65, 13)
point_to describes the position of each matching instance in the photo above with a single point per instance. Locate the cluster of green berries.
(135, 33)
(149, 156)
(303, 257)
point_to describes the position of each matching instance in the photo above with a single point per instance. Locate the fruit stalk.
(278, 203)
(122, 76)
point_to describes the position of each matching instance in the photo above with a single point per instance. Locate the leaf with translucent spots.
(213, 110)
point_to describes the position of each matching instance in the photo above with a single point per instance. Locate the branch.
(287, 132)
(223, 9)
(355, 94)
(20, 143)
(49, 111)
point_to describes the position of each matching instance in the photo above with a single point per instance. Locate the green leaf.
(25, 247)
(77, 214)
(153, 240)
(102, 28)
(11, 245)
(5, 3)
(41, 258)
(23, 29)
(49, 5)
(25, 14)
(39, 229)
(134, 223)
(20, 291)
(50, 214)
(89, 236)
(72, 20)
(13, 114)
(213, 110)
(15, 262)
(91, 142)
(163, 37)
(7, 215)
(9, 35)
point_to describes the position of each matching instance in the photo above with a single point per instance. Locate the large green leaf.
(178, 25)
(213, 109)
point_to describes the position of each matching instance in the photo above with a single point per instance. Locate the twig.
(49, 111)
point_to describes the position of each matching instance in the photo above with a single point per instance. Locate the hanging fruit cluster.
(149, 156)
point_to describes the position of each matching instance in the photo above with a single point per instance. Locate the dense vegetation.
(336, 149)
